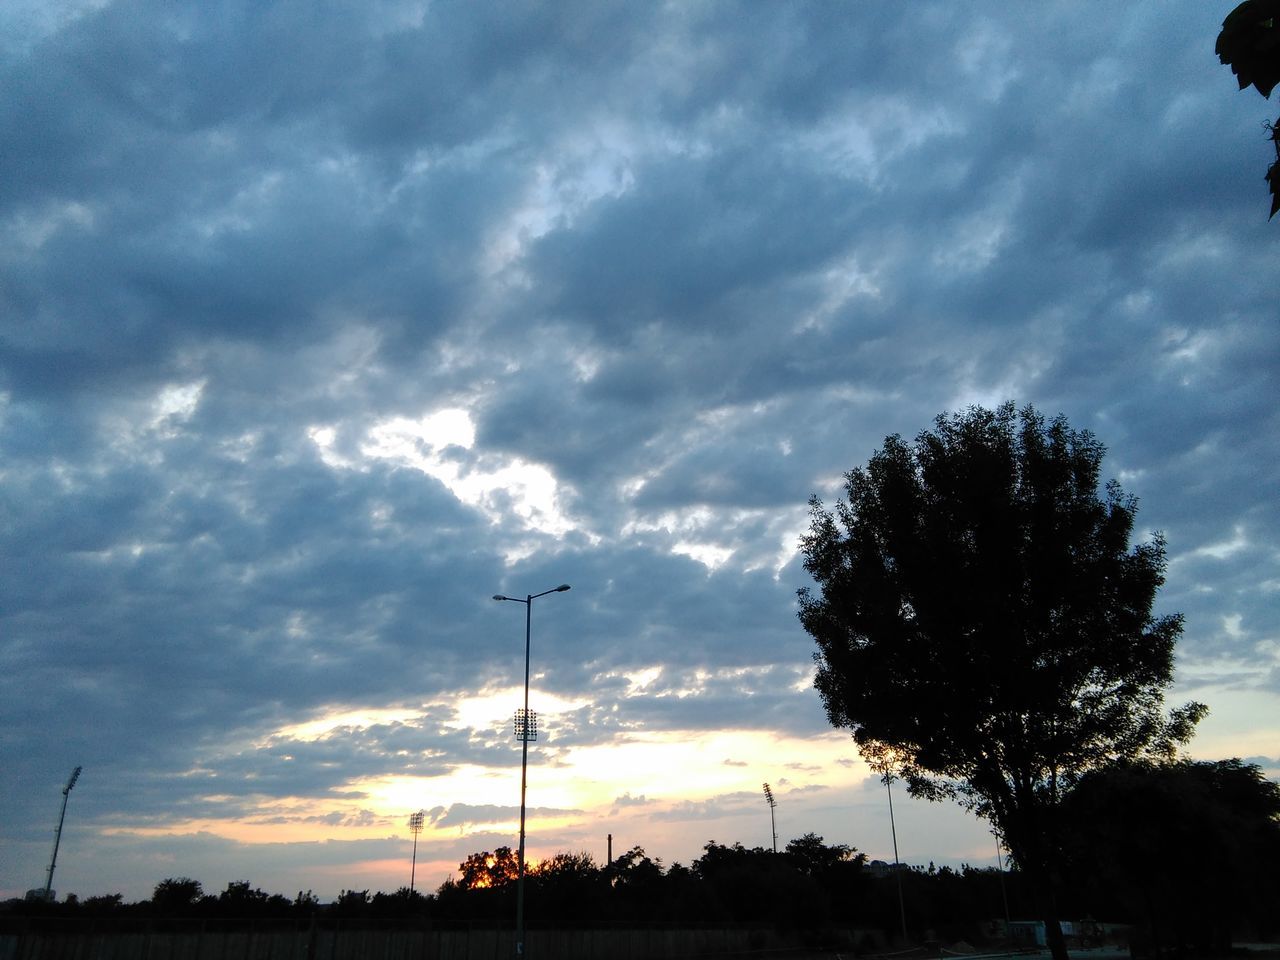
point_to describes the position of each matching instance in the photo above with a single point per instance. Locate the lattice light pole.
(773, 805)
(57, 837)
(526, 729)
(415, 827)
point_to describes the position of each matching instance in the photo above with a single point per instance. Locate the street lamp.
(526, 729)
(897, 867)
(1003, 893)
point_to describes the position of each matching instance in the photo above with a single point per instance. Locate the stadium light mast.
(415, 827)
(526, 729)
(773, 805)
(57, 837)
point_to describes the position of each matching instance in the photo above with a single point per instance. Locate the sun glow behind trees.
(659, 785)
(657, 788)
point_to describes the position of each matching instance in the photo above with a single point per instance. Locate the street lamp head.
(533, 596)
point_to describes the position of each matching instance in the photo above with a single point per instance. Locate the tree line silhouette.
(1182, 851)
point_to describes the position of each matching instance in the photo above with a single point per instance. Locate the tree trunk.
(1036, 852)
(1053, 935)
(1043, 885)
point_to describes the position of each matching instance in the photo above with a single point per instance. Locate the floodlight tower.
(415, 827)
(57, 837)
(773, 804)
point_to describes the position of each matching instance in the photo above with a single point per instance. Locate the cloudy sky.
(322, 323)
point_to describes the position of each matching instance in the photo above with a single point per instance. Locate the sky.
(320, 324)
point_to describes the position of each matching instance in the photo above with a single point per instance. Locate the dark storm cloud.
(684, 245)
(640, 609)
(693, 261)
(178, 183)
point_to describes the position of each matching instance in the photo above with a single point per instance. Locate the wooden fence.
(368, 940)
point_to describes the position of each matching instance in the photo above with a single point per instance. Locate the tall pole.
(526, 728)
(57, 837)
(415, 827)
(524, 780)
(768, 796)
(1004, 894)
(897, 867)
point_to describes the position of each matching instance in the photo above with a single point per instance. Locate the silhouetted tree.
(757, 884)
(1250, 44)
(104, 904)
(567, 888)
(837, 868)
(484, 889)
(404, 902)
(572, 867)
(816, 858)
(351, 903)
(1187, 849)
(638, 884)
(488, 870)
(176, 895)
(634, 868)
(241, 899)
(983, 628)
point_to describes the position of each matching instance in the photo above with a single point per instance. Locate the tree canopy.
(1186, 849)
(983, 627)
(1249, 44)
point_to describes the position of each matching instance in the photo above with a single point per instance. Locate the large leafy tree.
(176, 895)
(488, 870)
(1187, 849)
(984, 628)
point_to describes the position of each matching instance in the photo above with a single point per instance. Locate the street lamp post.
(526, 729)
(897, 867)
(1004, 895)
